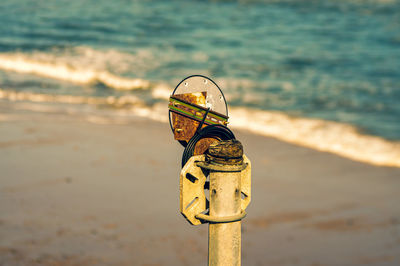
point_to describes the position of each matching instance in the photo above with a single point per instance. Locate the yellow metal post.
(225, 162)
(224, 239)
(198, 118)
(230, 193)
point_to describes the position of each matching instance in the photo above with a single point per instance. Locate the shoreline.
(321, 135)
(79, 193)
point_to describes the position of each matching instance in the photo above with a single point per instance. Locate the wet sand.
(77, 190)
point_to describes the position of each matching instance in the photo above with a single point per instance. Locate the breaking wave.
(328, 136)
(82, 65)
(339, 138)
(70, 99)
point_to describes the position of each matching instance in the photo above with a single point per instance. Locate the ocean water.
(323, 74)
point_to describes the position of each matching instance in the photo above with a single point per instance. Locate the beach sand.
(81, 190)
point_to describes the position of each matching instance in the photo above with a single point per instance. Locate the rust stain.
(202, 145)
(184, 128)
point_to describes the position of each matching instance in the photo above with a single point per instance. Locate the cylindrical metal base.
(224, 239)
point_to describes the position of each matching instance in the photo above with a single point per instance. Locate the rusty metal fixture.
(212, 133)
(198, 118)
(196, 102)
(228, 152)
(202, 145)
(187, 105)
(184, 119)
(188, 115)
(224, 156)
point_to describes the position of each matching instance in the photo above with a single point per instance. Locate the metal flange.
(193, 202)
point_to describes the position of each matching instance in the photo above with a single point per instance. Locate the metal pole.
(230, 193)
(224, 239)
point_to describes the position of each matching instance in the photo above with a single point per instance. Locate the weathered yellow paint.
(230, 194)
(224, 239)
(246, 183)
(194, 191)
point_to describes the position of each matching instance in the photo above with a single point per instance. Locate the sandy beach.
(89, 167)
(82, 190)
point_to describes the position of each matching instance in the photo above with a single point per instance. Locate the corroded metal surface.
(188, 111)
(227, 152)
(195, 100)
(203, 144)
(195, 111)
(184, 127)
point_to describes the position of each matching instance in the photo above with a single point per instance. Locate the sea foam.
(78, 67)
(328, 136)
(126, 100)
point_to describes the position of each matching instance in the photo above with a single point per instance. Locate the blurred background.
(320, 74)
(331, 60)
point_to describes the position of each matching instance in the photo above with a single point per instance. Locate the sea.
(324, 74)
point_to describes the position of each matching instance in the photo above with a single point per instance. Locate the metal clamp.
(196, 112)
(226, 219)
(193, 202)
(221, 168)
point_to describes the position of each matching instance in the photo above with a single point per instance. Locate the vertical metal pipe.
(224, 239)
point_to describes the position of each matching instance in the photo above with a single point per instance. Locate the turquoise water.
(333, 60)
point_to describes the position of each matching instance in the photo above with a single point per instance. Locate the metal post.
(224, 239)
(198, 117)
(230, 193)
